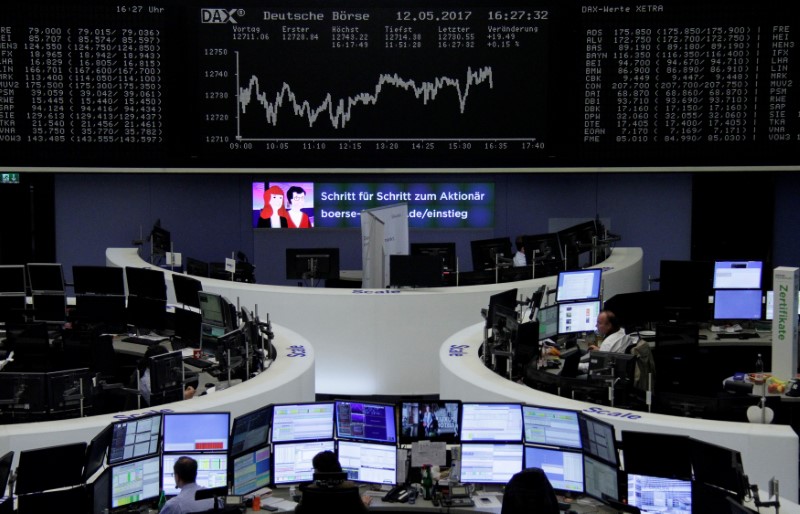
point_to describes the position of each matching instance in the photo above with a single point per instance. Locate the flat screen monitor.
(135, 482)
(12, 308)
(134, 438)
(542, 247)
(415, 271)
(575, 240)
(12, 279)
(49, 308)
(737, 274)
(98, 280)
(166, 373)
(685, 288)
(146, 313)
(551, 427)
(148, 283)
(769, 308)
(252, 470)
(196, 267)
(302, 422)
(487, 463)
(599, 439)
(564, 469)
(101, 309)
(23, 392)
(307, 263)
(505, 325)
(578, 317)
(507, 299)
(621, 366)
(653, 494)
(662, 455)
(250, 430)
(491, 422)
(434, 420)
(186, 289)
(46, 277)
(548, 322)
(579, 285)
(600, 480)
(196, 431)
(365, 421)
(291, 462)
(67, 389)
(718, 466)
(160, 240)
(737, 304)
(5, 471)
(100, 491)
(369, 462)
(486, 251)
(445, 252)
(216, 310)
(212, 471)
(64, 465)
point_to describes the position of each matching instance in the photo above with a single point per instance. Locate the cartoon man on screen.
(296, 196)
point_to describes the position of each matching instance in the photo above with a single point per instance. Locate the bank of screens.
(487, 463)
(578, 285)
(302, 422)
(369, 462)
(600, 480)
(599, 439)
(251, 471)
(291, 462)
(134, 438)
(736, 304)
(250, 430)
(577, 316)
(551, 427)
(135, 482)
(491, 422)
(656, 495)
(661, 455)
(548, 322)
(196, 432)
(366, 421)
(212, 471)
(737, 274)
(436, 420)
(564, 469)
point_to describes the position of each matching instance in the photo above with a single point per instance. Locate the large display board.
(473, 83)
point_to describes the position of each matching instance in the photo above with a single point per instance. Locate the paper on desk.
(286, 505)
(428, 452)
(402, 457)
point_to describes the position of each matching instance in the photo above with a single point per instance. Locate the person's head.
(326, 462)
(273, 202)
(185, 469)
(607, 323)
(520, 244)
(152, 351)
(297, 197)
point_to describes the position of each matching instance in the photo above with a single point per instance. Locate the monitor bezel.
(449, 438)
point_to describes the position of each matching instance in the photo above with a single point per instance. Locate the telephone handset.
(399, 493)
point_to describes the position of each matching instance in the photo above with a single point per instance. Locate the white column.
(784, 322)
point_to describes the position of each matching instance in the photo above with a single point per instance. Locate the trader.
(185, 469)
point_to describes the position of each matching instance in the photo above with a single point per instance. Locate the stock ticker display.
(398, 84)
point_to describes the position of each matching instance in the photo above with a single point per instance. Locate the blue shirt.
(185, 502)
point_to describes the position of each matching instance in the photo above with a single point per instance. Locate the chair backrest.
(645, 373)
(331, 499)
(529, 491)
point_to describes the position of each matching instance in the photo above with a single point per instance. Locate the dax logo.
(220, 15)
(458, 350)
(296, 351)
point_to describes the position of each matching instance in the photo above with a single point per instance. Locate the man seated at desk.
(615, 340)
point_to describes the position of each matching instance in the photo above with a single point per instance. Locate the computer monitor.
(737, 274)
(579, 285)
(160, 240)
(500, 422)
(505, 325)
(486, 251)
(134, 438)
(216, 310)
(369, 462)
(103, 309)
(621, 366)
(68, 389)
(506, 299)
(685, 288)
(434, 420)
(13, 307)
(543, 247)
(196, 267)
(5, 471)
(487, 463)
(166, 376)
(49, 308)
(45, 277)
(212, 471)
(196, 431)
(134, 483)
(250, 430)
(575, 240)
(599, 439)
(576, 317)
(291, 463)
(146, 313)
(551, 427)
(98, 280)
(12, 279)
(252, 470)
(375, 422)
(564, 469)
(100, 492)
(96, 452)
(737, 304)
(769, 307)
(147, 283)
(600, 480)
(415, 271)
(548, 322)
(64, 465)
(445, 252)
(662, 455)
(308, 263)
(186, 289)
(23, 394)
(654, 494)
(719, 466)
(302, 422)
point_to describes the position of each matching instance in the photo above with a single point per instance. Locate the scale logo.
(297, 351)
(140, 414)
(458, 350)
(220, 15)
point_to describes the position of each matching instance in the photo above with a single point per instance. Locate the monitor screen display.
(662, 455)
(490, 463)
(737, 274)
(368, 462)
(252, 471)
(292, 461)
(149, 283)
(135, 482)
(491, 422)
(212, 308)
(734, 304)
(194, 432)
(486, 251)
(579, 285)
(250, 430)
(186, 289)
(548, 322)
(64, 465)
(507, 299)
(12, 279)
(46, 277)
(599, 439)
(366, 421)
(564, 469)
(302, 422)
(99, 280)
(718, 466)
(551, 427)
(312, 263)
(134, 438)
(95, 453)
(600, 479)
(435, 420)
(445, 252)
(769, 309)
(657, 495)
(212, 471)
(578, 316)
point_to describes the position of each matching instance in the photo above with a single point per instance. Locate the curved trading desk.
(767, 450)
(383, 341)
(289, 379)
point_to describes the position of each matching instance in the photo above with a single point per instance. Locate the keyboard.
(197, 363)
(145, 341)
(737, 335)
(458, 502)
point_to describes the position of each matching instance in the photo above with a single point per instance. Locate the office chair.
(529, 491)
(316, 499)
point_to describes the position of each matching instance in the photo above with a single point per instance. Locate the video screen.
(737, 274)
(490, 463)
(491, 422)
(292, 461)
(551, 427)
(366, 421)
(368, 462)
(134, 438)
(737, 304)
(250, 430)
(659, 495)
(599, 439)
(195, 432)
(548, 322)
(435, 420)
(251, 471)
(302, 422)
(212, 471)
(564, 469)
(283, 205)
(135, 482)
(578, 285)
(600, 479)
(577, 317)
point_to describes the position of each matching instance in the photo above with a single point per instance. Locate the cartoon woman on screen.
(274, 214)
(297, 200)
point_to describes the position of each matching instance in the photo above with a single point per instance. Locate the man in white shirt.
(614, 338)
(519, 257)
